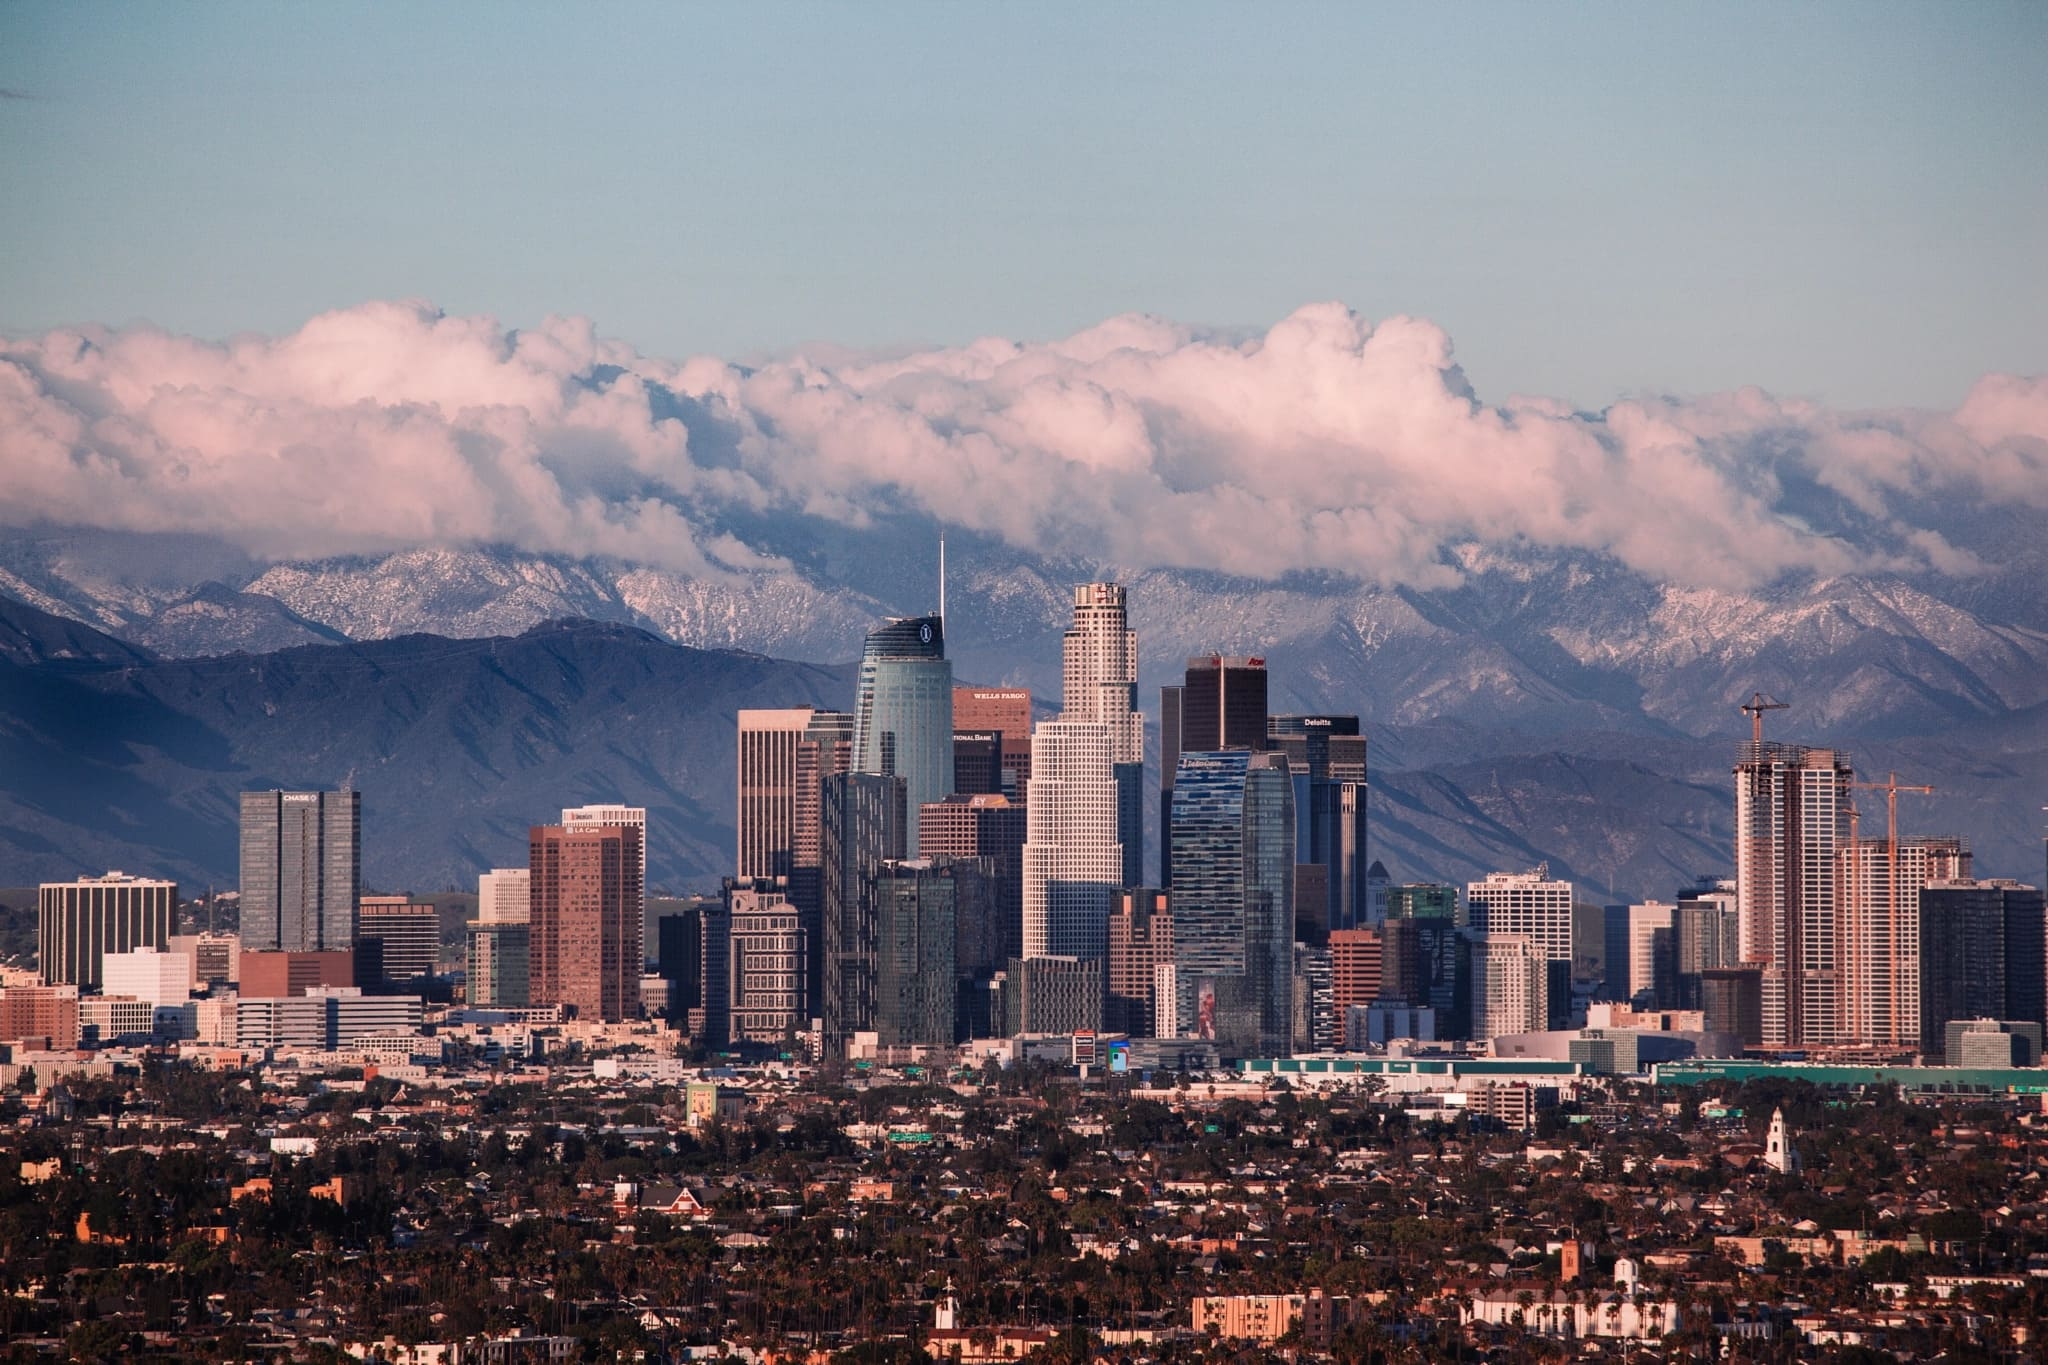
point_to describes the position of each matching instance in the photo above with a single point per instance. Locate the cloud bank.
(1329, 443)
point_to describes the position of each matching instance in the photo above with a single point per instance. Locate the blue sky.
(1844, 202)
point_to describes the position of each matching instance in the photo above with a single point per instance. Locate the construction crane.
(1891, 787)
(1754, 708)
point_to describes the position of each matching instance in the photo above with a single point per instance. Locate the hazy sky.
(1847, 202)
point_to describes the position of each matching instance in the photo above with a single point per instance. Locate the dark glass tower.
(903, 711)
(863, 827)
(1232, 897)
(301, 870)
(1220, 704)
(1326, 758)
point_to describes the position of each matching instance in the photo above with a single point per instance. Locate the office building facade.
(903, 711)
(1219, 704)
(1326, 758)
(499, 964)
(864, 825)
(1791, 817)
(1510, 985)
(1005, 712)
(917, 973)
(301, 870)
(504, 895)
(1233, 900)
(991, 827)
(408, 936)
(1532, 905)
(586, 941)
(78, 923)
(765, 991)
(1073, 862)
(1981, 946)
(1140, 943)
(1877, 892)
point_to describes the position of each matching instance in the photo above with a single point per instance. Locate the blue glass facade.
(1233, 900)
(903, 711)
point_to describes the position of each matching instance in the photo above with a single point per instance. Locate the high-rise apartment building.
(1006, 712)
(1532, 904)
(1791, 816)
(1981, 956)
(1509, 985)
(917, 972)
(588, 898)
(1140, 943)
(1219, 704)
(408, 935)
(1652, 955)
(1233, 894)
(79, 923)
(301, 870)
(766, 962)
(1707, 934)
(991, 827)
(499, 964)
(863, 827)
(1052, 995)
(1877, 894)
(903, 711)
(1326, 759)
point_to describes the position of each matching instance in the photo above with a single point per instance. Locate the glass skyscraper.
(301, 870)
(1326, 756)
(903, 711)
(1233, 900)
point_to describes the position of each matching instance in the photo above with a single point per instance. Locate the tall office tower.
(586, 926)
(1589, 944)
(1073, 863)
(1004, 711)
(1233, 893)
(903, 712)
(408, 936)
(1509, 985)
(1732, 1001)
(991, 827)
(767, 752)
(499, 963)
(1220, 704)
(504, 895)
(1326, 756)
(765, 966)
(694, 956)
(301, 870)
(1140, 943)
(863, 820)
(79, 923)
(620, 817)
(1981, 956)
(1357, 965)
(917, 975)
(977, 762)
(216, 958)
(1425, 958)
(825, 749)
(1791, 813)
(1528, 903)
(1879, 918)
(1652, 955)
(1706, 929)
(1099, 676)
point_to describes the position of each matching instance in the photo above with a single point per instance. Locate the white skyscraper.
(1073, 862)
(1509, 986)
(1645, 921)
(1791, 818)
(1083, 830)
(1528, 903)
(504, 895)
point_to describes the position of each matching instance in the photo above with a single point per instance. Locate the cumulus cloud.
(1328, 443)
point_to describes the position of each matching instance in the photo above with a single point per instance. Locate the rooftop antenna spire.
(942, 581)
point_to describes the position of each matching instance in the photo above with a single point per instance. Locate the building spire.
(942, 581)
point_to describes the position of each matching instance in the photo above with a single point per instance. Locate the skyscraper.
(1220, 704)
(903, 711)
(765, 971)
(917, 977)
(622, 817)
(1004, 711)
(586, 928)
(1140, 943)
(826, 748)
(1509, 985)
(1880, 932)
(1531, 904)
(1326, 758)
(1791, 814)
(767, 816)
(695, 947)
(1073, 863)
(1233, 893)
(990, 827)
(863, 820)
(1981, 950)
(301, 870)
(1099, 674)
(79, 923)
(1357, 965)
(1652, 955)
(408, 935)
